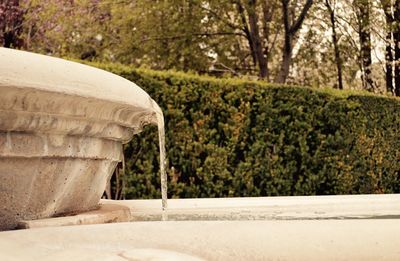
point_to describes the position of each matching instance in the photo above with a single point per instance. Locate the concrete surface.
(267, 208)
(62, 125)
(107, 213)
(376, 239)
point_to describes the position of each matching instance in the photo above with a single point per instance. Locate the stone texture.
(107, 213)
(373, 239)
(267, 208)
(62, 126)
(33, 188)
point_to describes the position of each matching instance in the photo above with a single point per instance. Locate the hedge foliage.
(246, 138)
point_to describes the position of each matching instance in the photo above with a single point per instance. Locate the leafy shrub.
(245, 138)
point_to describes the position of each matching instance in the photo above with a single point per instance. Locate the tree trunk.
(268, 11)
(286, 60)
(389, 63)
(255, 35)
(187, 58)
(387, 8)
(291, 26)
(338, 59)
(247, 32)
(396, 37)
(287, 48)
(364, 33)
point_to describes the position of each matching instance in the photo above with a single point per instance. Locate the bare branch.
(296, 26)
(174, 37)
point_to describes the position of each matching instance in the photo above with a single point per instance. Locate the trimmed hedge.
(246, 138)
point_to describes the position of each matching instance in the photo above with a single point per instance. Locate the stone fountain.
(62, 126)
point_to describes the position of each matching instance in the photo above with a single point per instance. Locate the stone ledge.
(107, 213)
(262, 208)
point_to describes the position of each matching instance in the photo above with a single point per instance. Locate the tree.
(267, 39)
(331, 8)
(396, 37)
(11, 22)
(77, 29)
(387, 8)
(253, 33)
(257, 46)
(291, 27)
(392, 51)
(362, 11)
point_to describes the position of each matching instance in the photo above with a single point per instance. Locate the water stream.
(163, 174)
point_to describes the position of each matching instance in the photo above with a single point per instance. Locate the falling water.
(164, 187)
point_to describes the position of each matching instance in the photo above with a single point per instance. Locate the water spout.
(163, 162)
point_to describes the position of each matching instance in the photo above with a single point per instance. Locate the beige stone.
(267, 208)
(62, 125)
(107, 213)
(370, 239)
(260, 208)
(356, 227)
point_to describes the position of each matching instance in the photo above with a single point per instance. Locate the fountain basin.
(370, 239)
(340, 207)
(346, 227)
(62, 126)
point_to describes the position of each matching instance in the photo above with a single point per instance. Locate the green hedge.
(246, 138)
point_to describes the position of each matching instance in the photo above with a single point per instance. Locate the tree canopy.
(336, 43)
